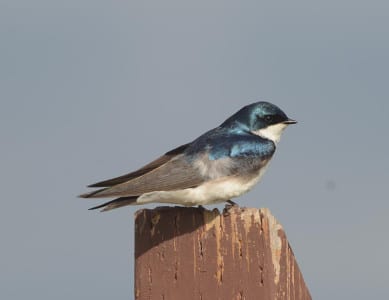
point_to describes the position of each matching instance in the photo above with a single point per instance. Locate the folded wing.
(175, 174)
(145, 169)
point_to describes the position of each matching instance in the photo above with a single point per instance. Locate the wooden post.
(194, 253)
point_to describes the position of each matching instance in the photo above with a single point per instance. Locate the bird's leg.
(232, 203)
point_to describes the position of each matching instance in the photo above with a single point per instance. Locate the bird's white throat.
(272, 132)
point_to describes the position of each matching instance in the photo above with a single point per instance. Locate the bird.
(221, 164)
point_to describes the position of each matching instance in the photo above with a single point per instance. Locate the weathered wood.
(194, 253)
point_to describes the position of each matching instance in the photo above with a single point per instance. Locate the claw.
(231, 203)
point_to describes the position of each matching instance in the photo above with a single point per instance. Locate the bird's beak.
(290, 121)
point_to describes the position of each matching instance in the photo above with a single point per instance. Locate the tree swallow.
(221, 164)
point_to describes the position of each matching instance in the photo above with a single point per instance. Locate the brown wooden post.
(194, 253)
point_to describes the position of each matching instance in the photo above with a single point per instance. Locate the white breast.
(213, 169)
(214, 191)
(272, 132)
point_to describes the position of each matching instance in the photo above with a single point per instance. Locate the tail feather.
(116, 203)
(93, 194)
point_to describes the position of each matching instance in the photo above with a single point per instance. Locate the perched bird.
(221, 164)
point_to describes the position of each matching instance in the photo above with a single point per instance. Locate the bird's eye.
(268, 118)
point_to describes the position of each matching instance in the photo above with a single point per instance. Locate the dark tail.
(116, 203)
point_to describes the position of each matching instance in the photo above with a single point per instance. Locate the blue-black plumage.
(221, 164)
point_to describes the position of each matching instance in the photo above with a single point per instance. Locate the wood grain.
(194, 253)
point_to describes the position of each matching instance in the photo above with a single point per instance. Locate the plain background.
(94, 89)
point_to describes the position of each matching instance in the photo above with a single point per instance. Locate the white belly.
(214, 191)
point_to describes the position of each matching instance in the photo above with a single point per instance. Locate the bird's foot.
(230, 204)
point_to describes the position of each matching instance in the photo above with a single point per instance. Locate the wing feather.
(145, 169)
(175, 174)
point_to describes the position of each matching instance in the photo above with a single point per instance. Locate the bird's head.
(260, 118)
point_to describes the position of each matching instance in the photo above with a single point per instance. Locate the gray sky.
(93, 89)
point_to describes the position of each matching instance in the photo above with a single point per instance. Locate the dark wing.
(145, 169)
(175, 174)
(241, 145)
